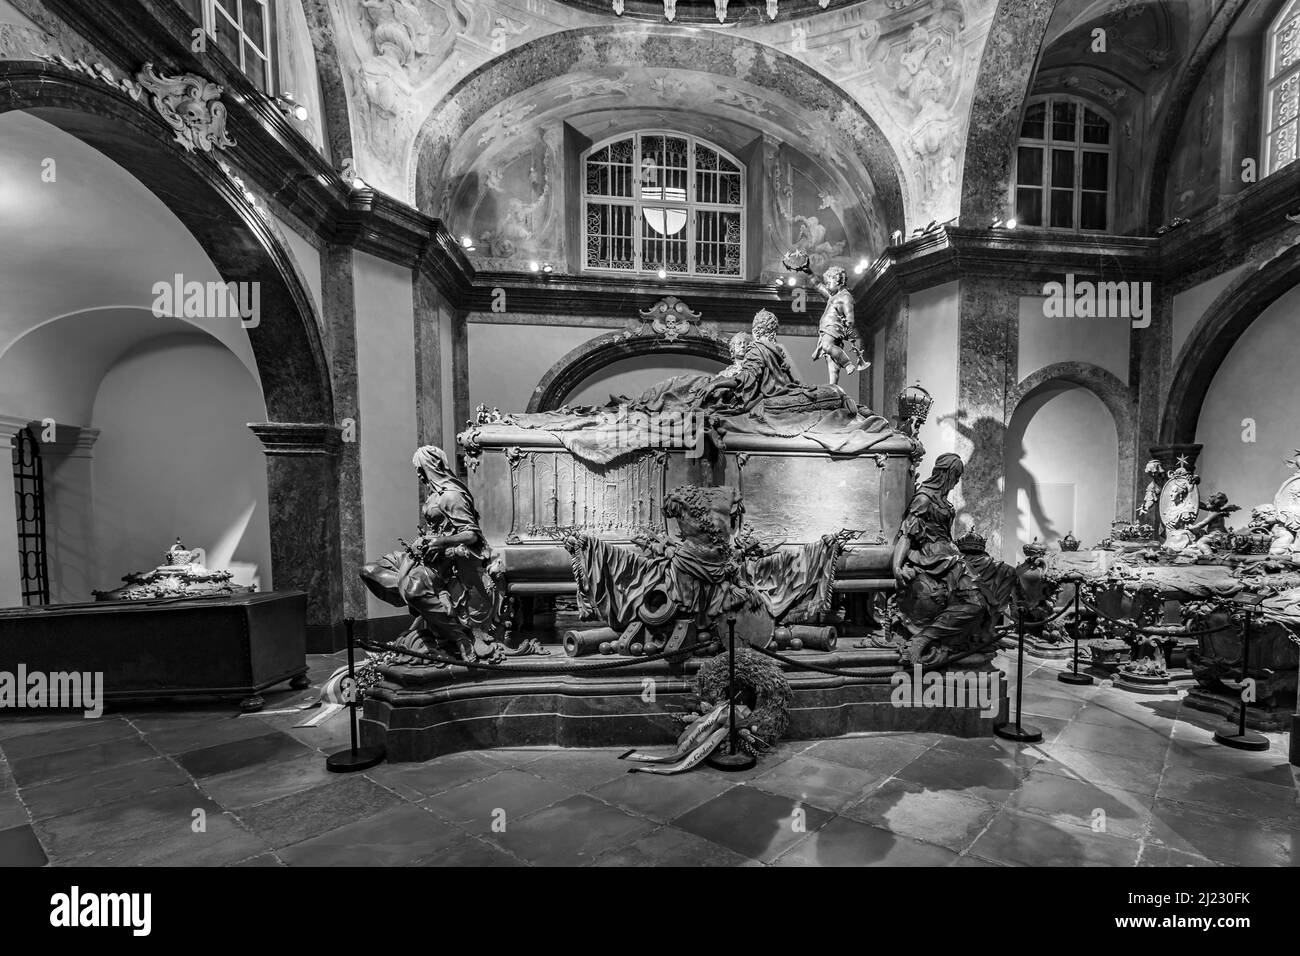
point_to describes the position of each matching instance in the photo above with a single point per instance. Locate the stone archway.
(604, 350)
(1224, 322)
(1118, 399)
(551, 56)
(1006, 75)
(301, 440)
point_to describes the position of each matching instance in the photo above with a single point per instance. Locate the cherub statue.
(837, 328)
(1210, 533)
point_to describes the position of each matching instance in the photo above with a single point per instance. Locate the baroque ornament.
(190, 105)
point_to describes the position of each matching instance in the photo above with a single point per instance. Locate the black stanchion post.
(1239, 737)
(1019, 732)
(354, 758)
(734, 758)
(1073, 676)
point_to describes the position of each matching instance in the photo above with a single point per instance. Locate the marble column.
(11, 587)
(302, 481)
(460, 370)
(339, 314)
(428, 363)
(987, 357)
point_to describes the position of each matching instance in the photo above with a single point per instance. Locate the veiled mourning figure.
(948, 596)
(446, 577)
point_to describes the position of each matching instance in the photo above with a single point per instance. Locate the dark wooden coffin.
(233, 646)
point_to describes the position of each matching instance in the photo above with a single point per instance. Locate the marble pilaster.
(988, 341)
(302, 482)
(428, 362)
(339, 317)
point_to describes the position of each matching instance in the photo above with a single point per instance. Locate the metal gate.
(29, 505)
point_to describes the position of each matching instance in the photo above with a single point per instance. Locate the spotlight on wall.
(291, 107)
(662, 273)
(534, 266)
(467, 243)
(1004, 223)
(861, 267)
(547, 268)
(792, 281)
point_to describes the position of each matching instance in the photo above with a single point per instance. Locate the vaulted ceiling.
(458, 103)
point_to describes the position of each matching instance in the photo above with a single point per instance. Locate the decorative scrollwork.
(191, 105)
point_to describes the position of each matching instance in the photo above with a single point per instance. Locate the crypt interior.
(842, 343)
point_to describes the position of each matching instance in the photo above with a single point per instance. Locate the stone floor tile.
(394, 837)
(300, 816)
(753, 822)
(497, 800)
(19, 846)
(1022, 839)
(661, 797)
(943, 817)
(844, 842)
(572, 832)
(818, 783)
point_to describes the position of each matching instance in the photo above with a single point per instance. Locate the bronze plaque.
(801, 497)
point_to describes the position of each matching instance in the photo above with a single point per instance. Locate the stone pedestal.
(302, 491)
(418, 713)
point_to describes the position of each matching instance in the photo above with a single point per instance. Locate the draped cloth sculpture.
(759, 394)
(708, 572)
(447, 577)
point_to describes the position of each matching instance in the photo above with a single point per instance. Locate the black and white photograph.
(620, 434)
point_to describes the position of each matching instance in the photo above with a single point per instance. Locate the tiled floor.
(1119, 780)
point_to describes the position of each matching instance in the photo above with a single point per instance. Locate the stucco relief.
(22, 38)
(402, 55)
(912, 66)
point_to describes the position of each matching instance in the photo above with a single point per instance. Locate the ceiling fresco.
(908, 65)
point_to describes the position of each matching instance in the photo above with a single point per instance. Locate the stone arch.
(241, 244)
(590, 357)
(1119, 401)
(1180, 99)
(1223, 323)
(1006, 75)
(551, 56)
(301, 439)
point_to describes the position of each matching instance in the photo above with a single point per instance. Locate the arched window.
(1282, 88)
(1065, 166)
(663, 201)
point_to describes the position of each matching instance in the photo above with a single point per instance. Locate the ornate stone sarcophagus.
(527, 485)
